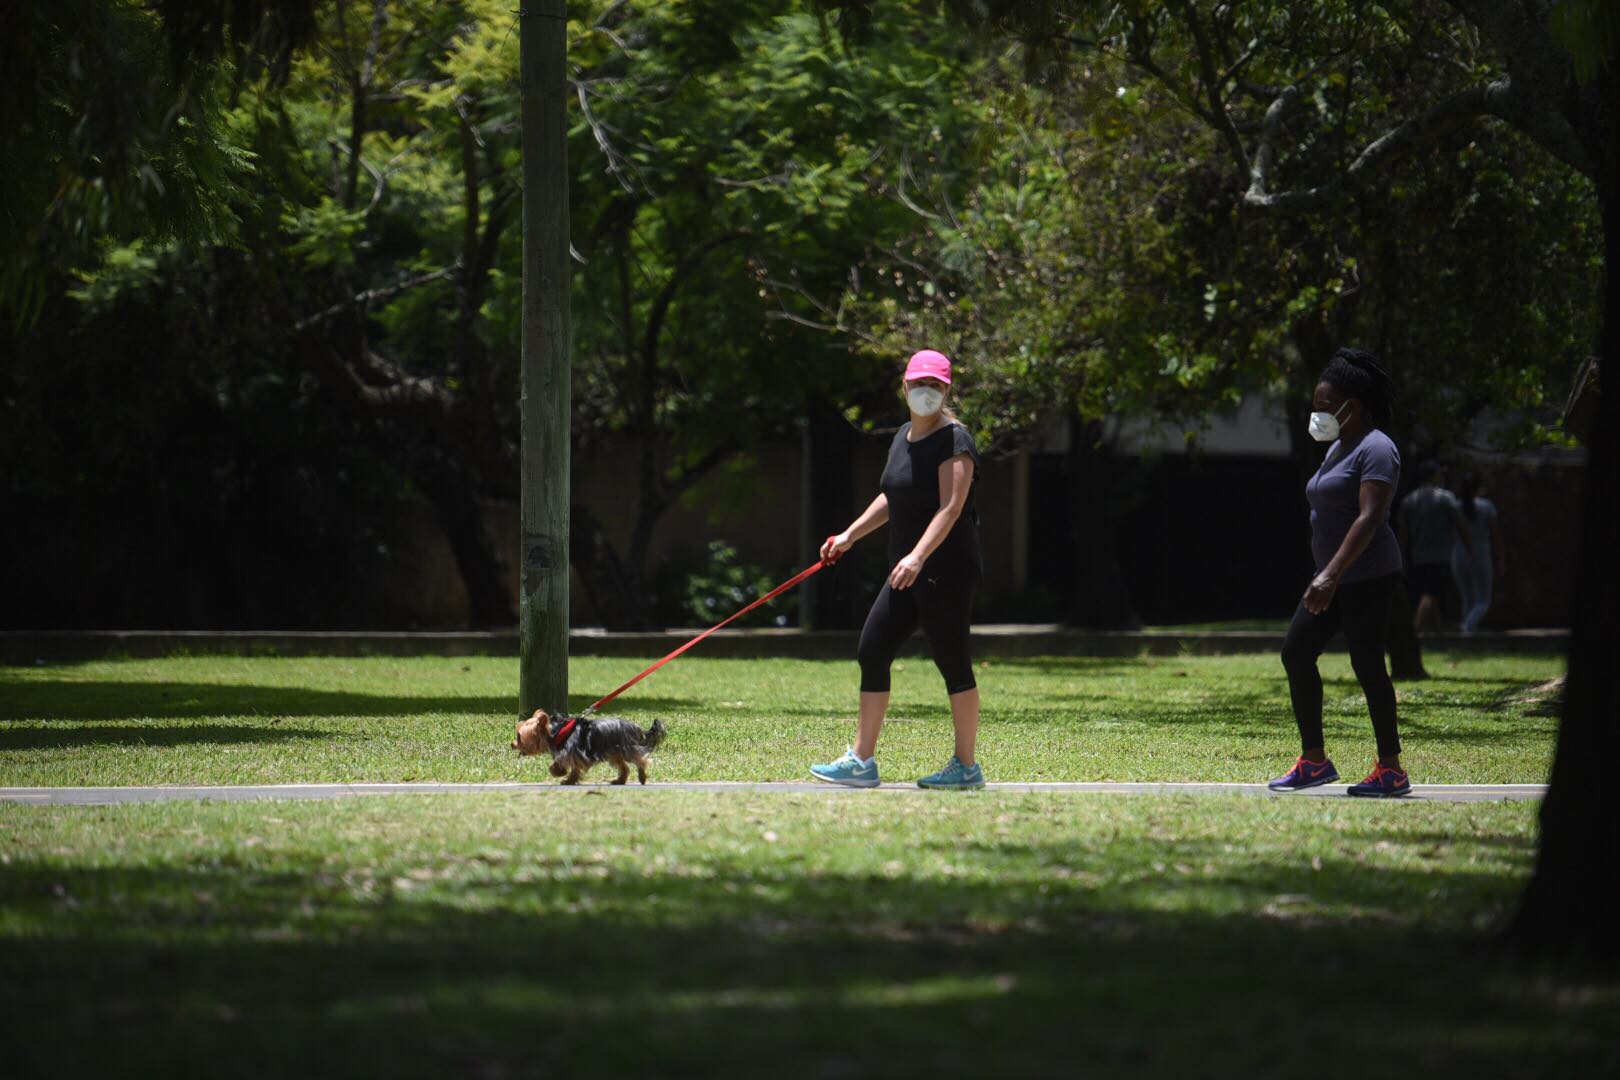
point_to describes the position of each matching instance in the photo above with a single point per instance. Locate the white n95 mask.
(1324, 426)
(925, 400)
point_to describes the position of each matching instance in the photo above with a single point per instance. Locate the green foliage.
(726, 585)
(727, 176)
(1590, 30)
(742, 197)
(1105, 261)
(122, 269)
(769, 208)
(323, 235)
(112, 127)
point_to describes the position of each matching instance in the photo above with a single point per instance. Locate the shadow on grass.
(1439, 673)
(62, 699)
(48, 738)
(1080, 665)
(1250, 710)
(218, 968)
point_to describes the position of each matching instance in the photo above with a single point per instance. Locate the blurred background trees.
(261, 273)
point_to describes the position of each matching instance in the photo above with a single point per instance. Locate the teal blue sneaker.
(955, 776)
(848, 771)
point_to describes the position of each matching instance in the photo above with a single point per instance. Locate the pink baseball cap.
(928, 364)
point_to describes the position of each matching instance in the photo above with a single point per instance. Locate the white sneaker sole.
(1305, 787)
(845, 783)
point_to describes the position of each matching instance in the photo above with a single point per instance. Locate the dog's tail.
(655, 735)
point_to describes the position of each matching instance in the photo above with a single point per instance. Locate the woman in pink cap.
(926, 496)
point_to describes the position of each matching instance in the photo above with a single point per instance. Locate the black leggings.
(1362, 611)
(943, 611)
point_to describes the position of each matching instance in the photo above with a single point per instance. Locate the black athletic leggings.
(943, 610)
(1362, 611)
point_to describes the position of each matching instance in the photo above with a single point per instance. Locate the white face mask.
(1324, 426)
(925, 400)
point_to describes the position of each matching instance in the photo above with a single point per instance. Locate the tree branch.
(471, 211)
(382, 385)
(379, 19)
(1543, 93)
(1214, 87)
(688, 475)
(1416, 131)
(400, 388)
(384, 292)
(615, 160)
(666, 295)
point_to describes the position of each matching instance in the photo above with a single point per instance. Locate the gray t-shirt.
(1429, 512)
(1335, 497)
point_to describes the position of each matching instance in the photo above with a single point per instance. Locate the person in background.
(1472, 562)
(1430, 519)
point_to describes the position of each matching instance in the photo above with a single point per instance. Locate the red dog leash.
(767, 598)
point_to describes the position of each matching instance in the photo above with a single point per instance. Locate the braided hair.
(1357, 373)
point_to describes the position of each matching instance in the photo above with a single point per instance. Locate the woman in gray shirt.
(1358, 563)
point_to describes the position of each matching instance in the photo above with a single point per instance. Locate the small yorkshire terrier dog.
(576, 743)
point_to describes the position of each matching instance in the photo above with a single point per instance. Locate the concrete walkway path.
(105, 796)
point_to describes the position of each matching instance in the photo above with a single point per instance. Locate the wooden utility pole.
(546, 407)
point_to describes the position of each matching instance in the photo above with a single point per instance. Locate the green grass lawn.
(277, 720)
(690, 933)
(694, 934)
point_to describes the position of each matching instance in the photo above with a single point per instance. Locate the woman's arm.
(1461, 530)
(955, 480)
(1374, 499)
(872, 518)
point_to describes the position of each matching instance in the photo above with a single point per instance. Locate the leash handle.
(767, 598)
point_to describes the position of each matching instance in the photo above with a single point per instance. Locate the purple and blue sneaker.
(1305, 774)
(1383, 783)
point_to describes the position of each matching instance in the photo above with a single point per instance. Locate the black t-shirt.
(911, 482)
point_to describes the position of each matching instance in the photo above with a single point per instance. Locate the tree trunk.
(1101, 599)
(547, 379)
(829, 462)
(1568, 907)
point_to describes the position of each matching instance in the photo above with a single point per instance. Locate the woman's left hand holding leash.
(906, 572)
(833, 548)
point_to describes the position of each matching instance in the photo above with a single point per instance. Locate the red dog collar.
(563, 732)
